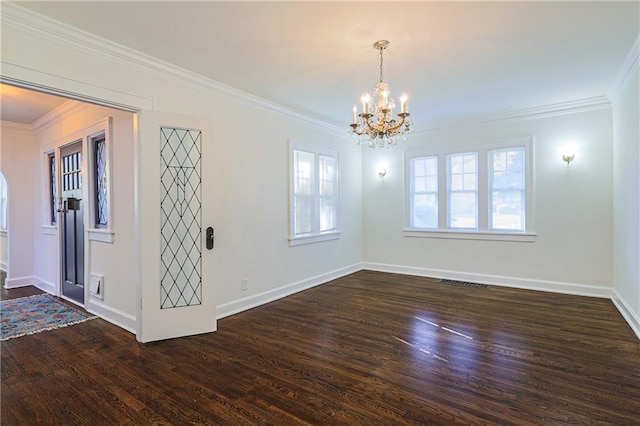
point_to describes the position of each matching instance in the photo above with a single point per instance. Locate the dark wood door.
(72, 223)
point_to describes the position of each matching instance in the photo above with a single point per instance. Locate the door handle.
(209, 238)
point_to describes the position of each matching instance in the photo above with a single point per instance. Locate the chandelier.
(376, 121)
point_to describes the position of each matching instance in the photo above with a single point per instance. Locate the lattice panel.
(180, 222)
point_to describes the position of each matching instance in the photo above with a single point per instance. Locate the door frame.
(76, 90)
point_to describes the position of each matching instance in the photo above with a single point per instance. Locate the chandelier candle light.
(376, 119)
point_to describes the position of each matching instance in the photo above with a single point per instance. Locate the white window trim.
(88, 191)
(483, 232)
(316, 236)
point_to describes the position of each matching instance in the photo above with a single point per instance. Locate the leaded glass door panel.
(176, 204)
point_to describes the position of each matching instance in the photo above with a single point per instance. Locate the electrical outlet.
(243, 284)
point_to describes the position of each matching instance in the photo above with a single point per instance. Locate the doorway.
(71, 219)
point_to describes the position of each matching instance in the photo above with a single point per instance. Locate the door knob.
(209, 238)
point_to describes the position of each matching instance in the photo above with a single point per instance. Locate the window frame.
(85, 136)
(92, 141)
(316, 235)
(483, 231)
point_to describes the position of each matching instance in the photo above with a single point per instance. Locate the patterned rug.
(35, 314)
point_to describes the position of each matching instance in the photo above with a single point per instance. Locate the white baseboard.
(3, 266)
(627, 313)
(45, 286)
(18, 282)
(246, 303)
(112, 315)
(524, 283)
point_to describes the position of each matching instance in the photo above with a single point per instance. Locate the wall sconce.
(568, 158)
(382, 173)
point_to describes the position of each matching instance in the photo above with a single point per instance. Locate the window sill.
(310, 239)
(49, 230)
(102, 235)
(524, 237)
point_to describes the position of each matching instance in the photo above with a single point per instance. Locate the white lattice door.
(176, 230)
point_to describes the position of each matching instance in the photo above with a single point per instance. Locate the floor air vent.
(464, 283)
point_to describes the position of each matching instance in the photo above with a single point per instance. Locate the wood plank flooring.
(369, 348)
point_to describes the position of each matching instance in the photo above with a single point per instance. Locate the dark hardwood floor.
(369, 348)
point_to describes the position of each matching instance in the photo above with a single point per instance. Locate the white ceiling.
(456, 60)
(25, 106)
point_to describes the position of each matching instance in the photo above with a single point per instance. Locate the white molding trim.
(629, 66)
(52, 116)
(46, 286)
(42, 26)
(521, 237)
(19, 282)
(114, 316)
(16, 126)
(237, 306)
(627, 313)
(522, 114)
(497, 280)
(49, 230)
(3, 267)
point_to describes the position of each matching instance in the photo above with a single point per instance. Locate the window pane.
(303, 209)
(463, 210)
(457, 182)
(303, 169)
(53, 190)
(327, 214)
(101, 212)
(327, 175)
(424, 211)
(469, 182)
(507, 209)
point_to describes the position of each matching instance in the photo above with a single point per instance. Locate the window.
(101, 201)
(424, 192)
(462, 190)
(507, 189)
(314, 196)
(480, 192)
(53, 188)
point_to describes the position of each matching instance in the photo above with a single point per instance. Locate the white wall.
(251, 141)
(573, 210)
(16, 162)
(626, 131)
(116, 260)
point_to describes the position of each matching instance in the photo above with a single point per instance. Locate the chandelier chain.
(381, 60)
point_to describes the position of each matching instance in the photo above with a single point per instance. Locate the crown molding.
(42, 26)
(15, 126)
(522, 114)
(629, 66)
(50, 117)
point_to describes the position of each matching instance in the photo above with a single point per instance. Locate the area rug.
(35, 314)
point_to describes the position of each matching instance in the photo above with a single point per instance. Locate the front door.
(176, 230)
(72, 223)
